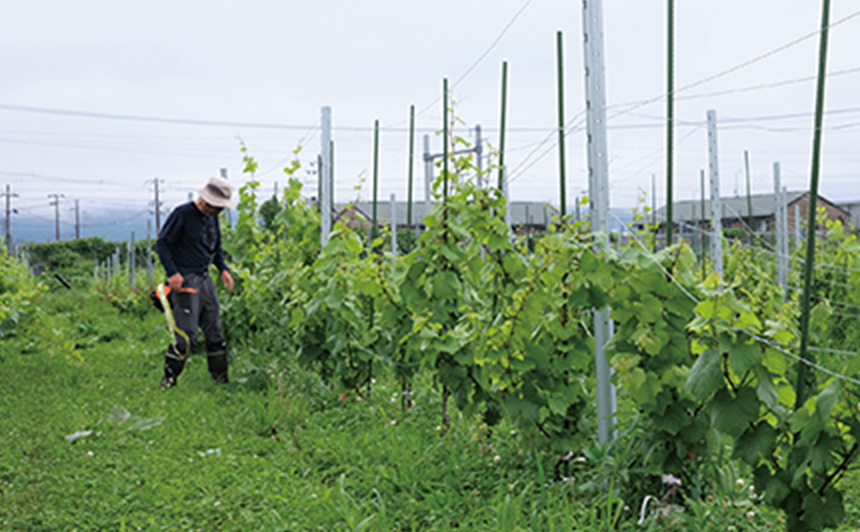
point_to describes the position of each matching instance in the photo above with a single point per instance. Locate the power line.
(730, 70)
(762, 86)
(139, 118)
(481, 57)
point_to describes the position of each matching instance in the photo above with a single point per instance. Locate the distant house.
(687, 215)
(853, 209)
(525, 215)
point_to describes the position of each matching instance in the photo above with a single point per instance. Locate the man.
(188, 243)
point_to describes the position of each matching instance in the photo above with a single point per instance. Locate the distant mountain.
(113, 226)
(118, 225)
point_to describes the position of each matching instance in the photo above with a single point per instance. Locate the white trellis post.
(716, 210)
(598, 185)
(325, 177)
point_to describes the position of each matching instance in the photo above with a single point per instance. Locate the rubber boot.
(172, 368)
(216, 357)
(218, 368)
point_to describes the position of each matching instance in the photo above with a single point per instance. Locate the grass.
(273, 450)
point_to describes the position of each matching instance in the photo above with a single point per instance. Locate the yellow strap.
(171, 323)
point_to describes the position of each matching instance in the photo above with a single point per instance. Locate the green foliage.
(18, 290)
(505, 331)
(496, 334)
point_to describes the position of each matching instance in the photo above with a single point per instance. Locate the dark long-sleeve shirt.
(189, 242)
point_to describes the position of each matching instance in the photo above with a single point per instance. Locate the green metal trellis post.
(445, 140)
(411, 157)
(561, 165)
(375, 177)
(813, 200)
(670, 116)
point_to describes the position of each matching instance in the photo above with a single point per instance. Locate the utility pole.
(56, 204)
(77, 210)
(157, 204)
(8, 226)
(598, 190)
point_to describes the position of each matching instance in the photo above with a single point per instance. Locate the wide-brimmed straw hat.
(217, 193)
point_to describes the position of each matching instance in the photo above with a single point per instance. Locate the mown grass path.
(273, 450)
(91, 442)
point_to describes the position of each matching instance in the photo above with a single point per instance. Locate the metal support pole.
(149, 268)
(375, 179)
(702, 234)
(331, 178)
(325, 176)
(132, 260)
(502, 120)
(654, 208)
(223, 172)
(7, 226)
(428, 176)
(812, 226)
(410, 164)
(778, 229)
(797, 226)
(506, 193)
(445, 140)
(716, 210)
(670, 116)
(479, 162)
(561, 164)
(749, 196)
(599, 197)
(392, 223)
(786, 265)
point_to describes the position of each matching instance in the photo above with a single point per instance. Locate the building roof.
(763, 206)
(522, 212)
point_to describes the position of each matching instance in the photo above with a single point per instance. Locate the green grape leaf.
(706, 376)
(445, 285)
(673, 420)
(765, 390)
(756, 442)
(733, 415)
(744, 356)
(826, 400)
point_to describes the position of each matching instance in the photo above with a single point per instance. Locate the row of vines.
(18, 289)
(507, 331)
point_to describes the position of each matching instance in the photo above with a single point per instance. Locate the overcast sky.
(97, 97)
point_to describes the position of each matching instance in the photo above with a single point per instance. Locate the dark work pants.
(193, 312)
